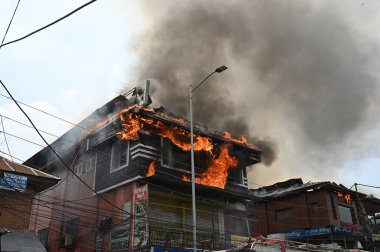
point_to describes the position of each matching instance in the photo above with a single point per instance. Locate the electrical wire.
(9, 25)
(252, 183)
(371, 186)
(5, 136)
(24, 139)
(48, 25)
(287, 204)
(20, 216)
(52, 149)
(47, 113)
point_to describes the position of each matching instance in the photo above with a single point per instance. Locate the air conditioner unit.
(66, 241)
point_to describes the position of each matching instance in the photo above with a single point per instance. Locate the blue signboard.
(13, 182)
(300, 233)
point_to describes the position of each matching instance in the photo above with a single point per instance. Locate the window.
(127, 211)
(346, 214)
(119, 156)
(235, 222)
(90, 163)
(314, 208)
(43, 235)
(78, 169)
(85, 166)
(120, 238)
(283, 214)
(72, 226)
(333, 206)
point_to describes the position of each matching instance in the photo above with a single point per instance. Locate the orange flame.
(152, 169)
(216, 174)
(133, 124)
(241, 139)
(104, 122)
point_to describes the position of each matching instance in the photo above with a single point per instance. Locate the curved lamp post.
(191, 90)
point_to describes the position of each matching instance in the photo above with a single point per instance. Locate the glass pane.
(345, 214)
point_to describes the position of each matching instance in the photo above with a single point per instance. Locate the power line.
(9, 25)
(5, 137)
(377, 187)
(48, 25)
(24, 139)
(52, 149)
(26, 125)
(264, 200)
(47, 113)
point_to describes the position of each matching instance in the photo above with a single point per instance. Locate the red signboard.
(140, 230)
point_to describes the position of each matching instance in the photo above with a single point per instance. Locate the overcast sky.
(75, 66)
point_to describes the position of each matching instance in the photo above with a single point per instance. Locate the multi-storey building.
(129, 186)
(315, 212)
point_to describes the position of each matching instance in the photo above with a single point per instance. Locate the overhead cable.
(50, 24)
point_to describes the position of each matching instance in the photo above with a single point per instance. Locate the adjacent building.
(18, 186)
(315, 212)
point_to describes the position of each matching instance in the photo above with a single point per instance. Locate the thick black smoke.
(298, 73)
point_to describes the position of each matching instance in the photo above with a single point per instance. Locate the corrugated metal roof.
(21, 240)
(263, 193)
(8, 165)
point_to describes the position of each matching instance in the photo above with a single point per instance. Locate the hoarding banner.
(140, 231)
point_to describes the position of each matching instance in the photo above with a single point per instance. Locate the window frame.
(351, 211)
(127, 148)
(279, 214)
(126, 227)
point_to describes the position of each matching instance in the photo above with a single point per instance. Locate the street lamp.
(191, 90)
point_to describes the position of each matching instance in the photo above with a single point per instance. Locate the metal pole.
(192, 170)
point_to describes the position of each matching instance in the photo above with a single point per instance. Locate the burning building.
(129, 186)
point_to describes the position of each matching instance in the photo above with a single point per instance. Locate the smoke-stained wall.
(299, 82)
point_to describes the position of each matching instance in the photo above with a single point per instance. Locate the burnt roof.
(85, 128)
(293, 187)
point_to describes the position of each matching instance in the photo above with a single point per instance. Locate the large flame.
(216, 174)
(134, 124)
(152, 169)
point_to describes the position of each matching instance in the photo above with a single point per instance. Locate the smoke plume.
(299, 75)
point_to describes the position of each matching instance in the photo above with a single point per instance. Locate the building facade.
(319, 213)
(126, 183)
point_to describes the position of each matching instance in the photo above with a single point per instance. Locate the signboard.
(308, 232)
(12, 181)
(140, 231)
(300, 233)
